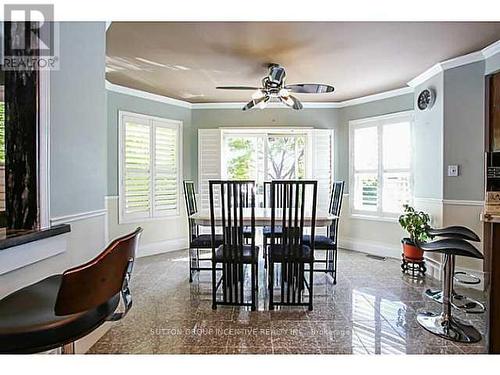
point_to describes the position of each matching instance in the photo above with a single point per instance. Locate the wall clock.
(426, 99)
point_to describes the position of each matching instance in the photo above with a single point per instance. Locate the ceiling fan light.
(262, 104)
(258, 94)
(284, 93)
(288, 101)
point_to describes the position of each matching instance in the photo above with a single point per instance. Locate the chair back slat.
(191, 207)
(289, 197)
(234, 198)
(94, 283)
(267, 195)
(335, 208)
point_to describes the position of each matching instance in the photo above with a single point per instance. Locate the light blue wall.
(428, 143)
(123, 102)
(464, 118)
(78, 137)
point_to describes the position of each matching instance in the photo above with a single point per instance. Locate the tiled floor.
(371, 310)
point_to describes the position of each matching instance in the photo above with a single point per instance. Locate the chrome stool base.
(450, 329)
(458, 301)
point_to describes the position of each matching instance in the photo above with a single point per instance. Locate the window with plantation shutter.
(381, 174)
(149, 167)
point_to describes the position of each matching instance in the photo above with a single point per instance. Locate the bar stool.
(458, 301)
(60, 309)
(445, 324)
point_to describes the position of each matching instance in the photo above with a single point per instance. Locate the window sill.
(149, 219)
(386, 219)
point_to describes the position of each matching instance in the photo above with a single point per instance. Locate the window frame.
(153, 122)
(379, 122)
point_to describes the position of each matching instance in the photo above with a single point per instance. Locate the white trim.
(108, 24)
(43, 151)
(371, 247)
(375, 97)
(434, 270)
(161, 247)
(76, 217)
(238, 105)
(428, 200)
(146, 95)
(470, 58)
(454, 202)
(491, 50)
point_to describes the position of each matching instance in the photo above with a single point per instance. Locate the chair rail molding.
(78, 216)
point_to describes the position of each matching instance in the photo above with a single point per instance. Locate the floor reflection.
(371, 310)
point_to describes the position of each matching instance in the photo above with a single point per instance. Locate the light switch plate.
(452, 170)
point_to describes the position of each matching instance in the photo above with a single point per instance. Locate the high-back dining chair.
(266, 230)
(60, 309)
(234, 254)
(328, 243)
(289, 210)
(197, 241)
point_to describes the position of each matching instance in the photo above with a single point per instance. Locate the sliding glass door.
(264, 157)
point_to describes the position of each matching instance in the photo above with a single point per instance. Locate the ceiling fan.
(273, 86)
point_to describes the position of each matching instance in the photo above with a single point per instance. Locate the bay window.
(381, 176)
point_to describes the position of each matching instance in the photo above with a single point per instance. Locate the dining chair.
(234, 254)
(60, 309)
(266, 230)
(197, 241)
(291, 202)
(328, 243)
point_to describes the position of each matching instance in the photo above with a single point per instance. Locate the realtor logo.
(30, 40)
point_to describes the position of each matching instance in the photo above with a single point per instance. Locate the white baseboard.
(434, 270)
(371, 247)
(161, 247)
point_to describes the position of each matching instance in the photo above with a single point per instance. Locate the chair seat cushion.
(320, 242)
(301, 254)
(28, 323)
(278, 230)
(241, 255)
(204, 241)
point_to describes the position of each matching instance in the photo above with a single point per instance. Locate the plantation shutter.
(149, 167)
(322, 165)
(166, 165)
(135, 195)
(209, 162)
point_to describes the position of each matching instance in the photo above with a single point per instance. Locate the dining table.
(263, 217)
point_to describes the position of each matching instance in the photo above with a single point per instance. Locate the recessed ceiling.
(187, 60)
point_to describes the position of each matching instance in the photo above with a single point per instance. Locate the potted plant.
(416, 224)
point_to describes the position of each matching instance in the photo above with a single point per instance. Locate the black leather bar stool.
(458, 301)
(60, 309)
(445, 324)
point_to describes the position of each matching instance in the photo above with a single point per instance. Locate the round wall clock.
(426, 99)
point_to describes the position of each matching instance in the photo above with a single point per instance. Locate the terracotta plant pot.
(410, 251)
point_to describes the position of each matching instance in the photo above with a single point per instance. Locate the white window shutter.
(209, 162)
(322, 165)
(136, 169)
(166, 169)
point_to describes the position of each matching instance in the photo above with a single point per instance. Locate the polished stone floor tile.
(372, 309)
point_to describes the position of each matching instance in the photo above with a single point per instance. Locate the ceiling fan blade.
(291, 101)
(310, 88)
(255, 102)
(237, 88)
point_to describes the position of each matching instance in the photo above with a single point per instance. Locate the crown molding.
(146, 95)
(491, 50)
(470, 58)
(375, 97)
